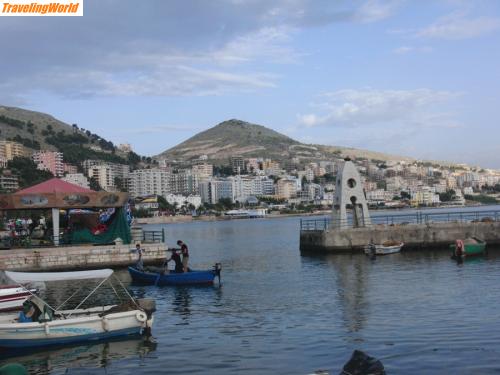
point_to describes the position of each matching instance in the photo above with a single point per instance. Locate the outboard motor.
(148, 305)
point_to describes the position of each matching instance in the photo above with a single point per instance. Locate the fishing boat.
(12, 297)
(469, 247)
(40, 324)
(192, 277)
(388, 247)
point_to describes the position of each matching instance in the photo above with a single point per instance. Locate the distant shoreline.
(190, 219)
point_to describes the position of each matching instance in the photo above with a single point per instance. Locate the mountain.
(40, 131)
(232, 137)
(236, 137)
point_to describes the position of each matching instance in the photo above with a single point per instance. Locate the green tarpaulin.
(118, 228)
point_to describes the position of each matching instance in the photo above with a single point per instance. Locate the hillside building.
(51, 161)
(144, 182)
(9, 150)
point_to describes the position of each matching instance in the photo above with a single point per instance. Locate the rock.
(362, 364)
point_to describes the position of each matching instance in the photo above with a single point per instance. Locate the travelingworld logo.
(20, 8)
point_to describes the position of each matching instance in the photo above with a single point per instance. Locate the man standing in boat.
(185, 255)
(140, 263)
(177, 260)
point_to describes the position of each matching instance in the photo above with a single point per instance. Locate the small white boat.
(383, 249)
(44, 325)
(12, 297)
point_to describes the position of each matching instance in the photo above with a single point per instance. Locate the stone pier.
(78, 257)
(415, 236)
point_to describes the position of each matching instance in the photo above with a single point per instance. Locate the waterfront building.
(51, 161)
(182, 200)
(184, 182)
(9, 150)
(212, 190)
(143, 182)
(77, 179)
(286, 189)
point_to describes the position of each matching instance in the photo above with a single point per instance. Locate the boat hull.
(186, 278)
(471, 249)
(384, 250)
(72, 330)
(13, 297)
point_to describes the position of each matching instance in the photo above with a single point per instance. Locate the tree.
(94, 184)
(447, 196)
(28, 172)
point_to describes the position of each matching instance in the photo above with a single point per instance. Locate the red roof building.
(54, 185)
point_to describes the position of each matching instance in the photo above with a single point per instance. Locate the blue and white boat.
(191, 277)
(45, 325)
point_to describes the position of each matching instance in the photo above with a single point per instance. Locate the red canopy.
(54, 185)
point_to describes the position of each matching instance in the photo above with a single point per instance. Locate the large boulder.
(362, 364)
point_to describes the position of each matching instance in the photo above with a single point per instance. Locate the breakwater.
(78, 257)
(416, 230)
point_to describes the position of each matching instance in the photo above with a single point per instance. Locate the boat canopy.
(26, 277)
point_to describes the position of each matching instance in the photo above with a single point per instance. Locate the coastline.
(190, 219)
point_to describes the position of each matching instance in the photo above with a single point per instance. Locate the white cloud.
(370, 107)
(457, 26)
(376, 10)
(408, 49)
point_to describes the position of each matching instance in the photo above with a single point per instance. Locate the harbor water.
(280, 312)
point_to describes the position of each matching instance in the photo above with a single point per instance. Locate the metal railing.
(404, 219)
(153, 236)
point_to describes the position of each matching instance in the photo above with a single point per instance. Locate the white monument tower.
(349, 191)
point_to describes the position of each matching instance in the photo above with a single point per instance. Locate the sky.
(413, 78)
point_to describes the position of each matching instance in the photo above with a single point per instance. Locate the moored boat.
(41, 324)
(388, 247)
(469, 247)
(12, 297)
(191, 277)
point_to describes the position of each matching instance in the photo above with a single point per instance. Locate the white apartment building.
(77, 179)
(181, 200)
(143, 182)
(104, 175)
(119, 170)
(212, 190)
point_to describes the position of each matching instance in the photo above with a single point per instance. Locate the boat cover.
(27, 277)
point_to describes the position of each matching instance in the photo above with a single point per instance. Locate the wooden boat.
(53, 326)
(469, 247)
(12, 297)
(172, 278)
(388, 247)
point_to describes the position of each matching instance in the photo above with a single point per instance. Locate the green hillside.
(39, 131)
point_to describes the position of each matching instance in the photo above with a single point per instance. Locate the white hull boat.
(52, 326)
(383, 249)
(12, 297)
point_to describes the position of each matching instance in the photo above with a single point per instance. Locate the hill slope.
(236, 137)
(233, 137)
(40, 131)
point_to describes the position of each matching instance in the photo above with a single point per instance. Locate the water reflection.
(96, 355)
(351, 276)
(182, 302)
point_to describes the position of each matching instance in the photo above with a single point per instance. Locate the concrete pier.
(78, 257)
(415, 236)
